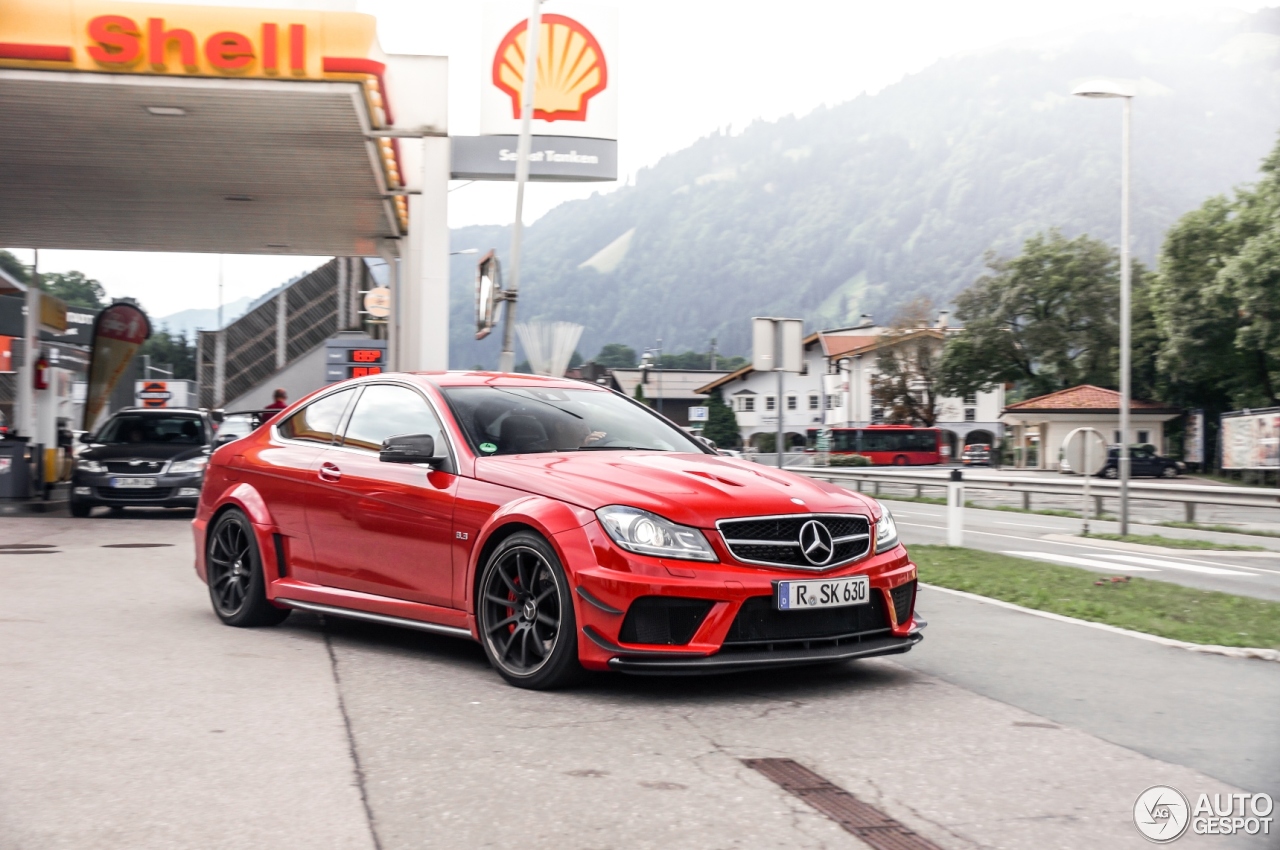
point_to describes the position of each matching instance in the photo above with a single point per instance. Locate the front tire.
(1111, 472)
(237, 588)
(1170, 472)
(81, 509)
(524, 612)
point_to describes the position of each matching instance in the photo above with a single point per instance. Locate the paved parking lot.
(132, 718)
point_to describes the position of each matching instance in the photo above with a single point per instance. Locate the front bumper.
(170, 491)
(739, 628)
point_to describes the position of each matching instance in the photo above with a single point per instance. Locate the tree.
(638, 395)
(722, 423)
(173, 351)
(75, 289)
(1046, 319)
(1216, 299)
(905, 384)
(14, 267)
(615, 355)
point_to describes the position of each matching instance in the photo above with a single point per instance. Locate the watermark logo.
(1161, 814)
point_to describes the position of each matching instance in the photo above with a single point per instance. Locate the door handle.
(329, 472)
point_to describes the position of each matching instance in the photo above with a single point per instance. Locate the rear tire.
(237, 588)
(81, 509)
(1111, 472)
(1170, 472)
(524, 613)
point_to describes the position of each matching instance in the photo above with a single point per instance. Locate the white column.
(282, 329)
(424, 294)
(30, 353)
(220, 369)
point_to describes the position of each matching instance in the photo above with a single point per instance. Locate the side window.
(317, 422)
(388, 411)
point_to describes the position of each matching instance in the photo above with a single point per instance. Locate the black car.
(1143, 462)
(143, 457)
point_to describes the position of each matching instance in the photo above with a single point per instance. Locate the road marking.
(1025, 525)
(1173, 565)
(1078, 562)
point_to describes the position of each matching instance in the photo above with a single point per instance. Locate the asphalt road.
(1039, 536)
(131, 717)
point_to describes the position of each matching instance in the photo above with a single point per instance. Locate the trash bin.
(15, 469)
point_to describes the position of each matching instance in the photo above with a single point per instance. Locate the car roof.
(160, 411)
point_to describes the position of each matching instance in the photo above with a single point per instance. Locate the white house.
(818, 395)
(1039, 426)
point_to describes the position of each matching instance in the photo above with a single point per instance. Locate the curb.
(1204, 649)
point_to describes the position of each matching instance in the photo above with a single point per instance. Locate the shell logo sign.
(575, 93)
(571, 69)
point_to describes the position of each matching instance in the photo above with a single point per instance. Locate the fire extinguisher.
(41, 375)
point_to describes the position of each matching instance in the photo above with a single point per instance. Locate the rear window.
(150, 428)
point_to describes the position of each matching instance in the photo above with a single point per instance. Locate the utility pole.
(507, 359)
(713, 354)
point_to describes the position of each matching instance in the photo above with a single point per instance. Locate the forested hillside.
(860, 207)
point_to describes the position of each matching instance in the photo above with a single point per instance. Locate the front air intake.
(663, 620)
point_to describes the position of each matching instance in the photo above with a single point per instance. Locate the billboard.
(576, 92)
(1251, 440)
(1193, 441)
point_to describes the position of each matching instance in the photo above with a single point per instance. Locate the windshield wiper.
(618, 449)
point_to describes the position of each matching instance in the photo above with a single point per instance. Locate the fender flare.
(247, 499)
(548, 517)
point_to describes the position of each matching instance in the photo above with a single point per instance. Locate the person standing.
(279, 400)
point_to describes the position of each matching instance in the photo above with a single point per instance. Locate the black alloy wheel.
(525, 615)
(236, 585)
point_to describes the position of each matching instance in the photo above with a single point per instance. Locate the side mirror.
(86, 437)
(223, 439)
(410, 448)
(217, 415)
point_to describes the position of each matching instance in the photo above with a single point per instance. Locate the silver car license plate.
(822, 593)
(133, 482)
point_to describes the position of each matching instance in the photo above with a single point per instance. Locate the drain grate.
(134, 545)
(18, 547)
(868, 823)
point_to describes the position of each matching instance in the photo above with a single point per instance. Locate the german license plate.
(822, 593)
(133, 482)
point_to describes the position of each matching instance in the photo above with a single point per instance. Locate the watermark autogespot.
(1162, 814)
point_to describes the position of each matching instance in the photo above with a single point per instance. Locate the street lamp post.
(1113, 89)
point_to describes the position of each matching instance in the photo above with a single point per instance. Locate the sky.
(685, 68)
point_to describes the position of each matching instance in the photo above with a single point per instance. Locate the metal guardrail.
(1189, 495)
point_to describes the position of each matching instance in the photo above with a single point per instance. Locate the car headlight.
(195, 464)
(85, 465)
(649, 534)
(886, 531)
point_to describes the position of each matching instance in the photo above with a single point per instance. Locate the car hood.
(150, 451)
(689, 489)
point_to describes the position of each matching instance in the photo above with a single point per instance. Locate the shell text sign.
(571, 69)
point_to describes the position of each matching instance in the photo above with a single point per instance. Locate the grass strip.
(935, 500)
(1155, 607)
(1224, 529)
(1173, 542)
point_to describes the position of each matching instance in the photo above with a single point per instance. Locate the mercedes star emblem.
(816, 543)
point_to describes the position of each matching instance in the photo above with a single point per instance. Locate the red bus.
(885, 445)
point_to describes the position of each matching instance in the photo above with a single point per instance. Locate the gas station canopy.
(179, 128)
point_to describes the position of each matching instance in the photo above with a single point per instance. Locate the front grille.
(904, 597)
(776, 540)
(759, 625)
(134, 494)
(663, 620)
(137, 467)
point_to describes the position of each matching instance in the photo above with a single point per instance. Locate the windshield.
(178, 430)
(509, 420)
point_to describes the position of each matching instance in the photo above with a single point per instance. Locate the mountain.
(858, 207)
(189, 321)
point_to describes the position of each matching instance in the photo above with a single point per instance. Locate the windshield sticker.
(488, 448)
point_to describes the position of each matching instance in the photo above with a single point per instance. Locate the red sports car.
(560, 524)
